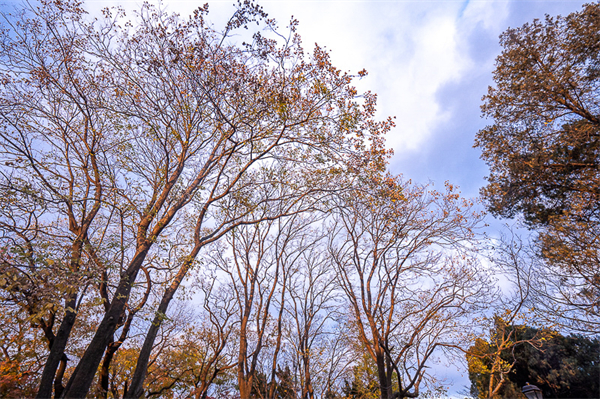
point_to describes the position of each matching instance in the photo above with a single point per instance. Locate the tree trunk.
(244, 377)
(308, 388)
(245, 384)
(385, 388)
(58, 386)
(202, 392)
(83, 375)
(104, 370)
(57, 351)
(136, 389)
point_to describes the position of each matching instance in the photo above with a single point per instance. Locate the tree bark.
(83, 376)
(136, 389)
(104, 370)
(57, 350)
(308, 388)
(58, 386)
(384, 386)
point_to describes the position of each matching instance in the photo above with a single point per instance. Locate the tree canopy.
(561, 366)
(543, 150)
(542, 147)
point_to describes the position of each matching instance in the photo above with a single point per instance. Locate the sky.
(429, 61)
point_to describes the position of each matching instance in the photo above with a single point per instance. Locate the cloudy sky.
(429, 61)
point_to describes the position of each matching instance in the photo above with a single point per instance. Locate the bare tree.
(259, 273)
(313, 308)
(564, 278)
(156, 119)
(402, 256)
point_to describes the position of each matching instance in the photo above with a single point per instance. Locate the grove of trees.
(192, 211)
(567, 367)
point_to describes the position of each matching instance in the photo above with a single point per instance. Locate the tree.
(56, 171)
(402, 258)
(565, 277)
(543, 146)
(491, 363)
(283, 118)
(562, 367)
(496, 362)
(543, 151)
(192, 361)
(489, 360)
(258, 273)
(364, 383)
(313, 305)
(132, 134)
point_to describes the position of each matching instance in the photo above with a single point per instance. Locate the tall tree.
(563, 367)
(543, 149)
(290, 130)
(273, 106)
(400, 251)
(56, 169)
(259, 272)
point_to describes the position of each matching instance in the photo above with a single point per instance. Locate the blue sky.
(429, 61)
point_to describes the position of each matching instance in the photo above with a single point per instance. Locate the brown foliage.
(543, 150)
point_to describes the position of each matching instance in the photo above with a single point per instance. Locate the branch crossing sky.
(429, 61)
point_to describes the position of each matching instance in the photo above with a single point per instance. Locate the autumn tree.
(363, 382)
(21, 350)
(292, 130)
(542, 146)
(563, 367)
(565, 277)
(56, 170)
(151, 120)
(402, 258)
(493, 361)
(492, 356)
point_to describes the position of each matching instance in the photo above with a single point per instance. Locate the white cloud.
(409, 84)
(492, 14)
(410, 49)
